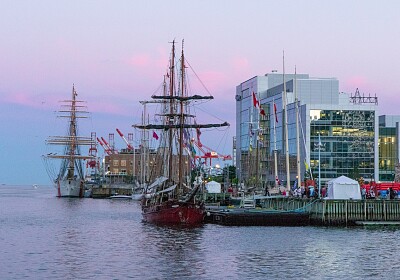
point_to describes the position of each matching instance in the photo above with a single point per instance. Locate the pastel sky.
(116, 52)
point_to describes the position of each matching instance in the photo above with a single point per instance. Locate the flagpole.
(296, 101)
(275, 151)
(286, 129)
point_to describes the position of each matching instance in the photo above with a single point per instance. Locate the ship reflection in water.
(43, 237)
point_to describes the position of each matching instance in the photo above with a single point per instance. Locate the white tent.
(213, 187)
(343, 188)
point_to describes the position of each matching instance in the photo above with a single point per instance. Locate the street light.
(319, 165)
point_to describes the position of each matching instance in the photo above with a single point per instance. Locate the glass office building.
(337, 130)
(388, 147)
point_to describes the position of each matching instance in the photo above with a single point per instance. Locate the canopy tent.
(213, 187)
(343, 188)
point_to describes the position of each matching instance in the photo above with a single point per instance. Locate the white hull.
(69, 188)
(137, 196)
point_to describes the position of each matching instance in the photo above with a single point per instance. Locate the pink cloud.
(139, 60)
(240, 63)
(356, 82)
(28, 99)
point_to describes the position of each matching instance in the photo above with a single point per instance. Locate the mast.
(181, 122)
(296, 101)
(72, 133)
(284, 100)
(171, 108)
(165, 121)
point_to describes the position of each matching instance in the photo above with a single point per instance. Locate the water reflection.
(43, 237)
(174, 251)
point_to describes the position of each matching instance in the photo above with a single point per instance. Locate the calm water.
(44, 237)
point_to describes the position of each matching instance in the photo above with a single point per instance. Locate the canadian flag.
(275, 113)
(255, 101)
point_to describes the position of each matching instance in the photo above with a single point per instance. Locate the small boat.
(69, 180)
(121, 197)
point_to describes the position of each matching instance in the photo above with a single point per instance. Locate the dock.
(105, 191)
(290, 211)
(257, 217)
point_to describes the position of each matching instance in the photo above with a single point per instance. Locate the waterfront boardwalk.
(321, 212)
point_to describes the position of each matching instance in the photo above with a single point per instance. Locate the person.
(323, 192)
(371, 193)
(363, 193)
(391, 193)
(266, 191)
(307, 192)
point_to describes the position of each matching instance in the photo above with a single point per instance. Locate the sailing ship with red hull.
(173, 201)
(175, 213)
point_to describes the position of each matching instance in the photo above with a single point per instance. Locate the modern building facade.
(388, 147)
(337, 131)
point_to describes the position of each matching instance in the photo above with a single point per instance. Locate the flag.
(275, 113)
(155, 135)
(255, 101)
(306, 164)
(198, 132)
(262, 112)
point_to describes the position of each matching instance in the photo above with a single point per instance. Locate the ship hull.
(70, 188)
(174, 213)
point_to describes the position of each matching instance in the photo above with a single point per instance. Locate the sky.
(116, 53)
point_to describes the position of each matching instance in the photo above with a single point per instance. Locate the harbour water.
(44, 237)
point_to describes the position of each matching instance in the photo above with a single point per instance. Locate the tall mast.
(171, 108)
(286, 128)
(296, 102)
(72, 132)
(165, 122)
(181, 119)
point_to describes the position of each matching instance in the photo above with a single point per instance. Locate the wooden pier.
(257, 217)
(340, 212)
(287, 211)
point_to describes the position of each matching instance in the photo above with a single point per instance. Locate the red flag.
(155, 135)
(276, 115)
(255, 101)
(262, 112)
(198, 132)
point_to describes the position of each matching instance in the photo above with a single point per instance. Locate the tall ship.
(171, 198)
(69, 178)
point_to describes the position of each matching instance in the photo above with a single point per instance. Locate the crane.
(106, 149)
(129, 146)
(210, 153)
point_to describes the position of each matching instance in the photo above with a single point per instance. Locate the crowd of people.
(368, 192)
